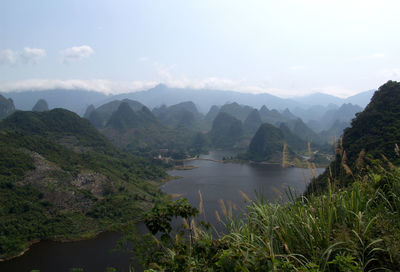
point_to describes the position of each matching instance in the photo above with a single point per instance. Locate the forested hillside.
(61, 179)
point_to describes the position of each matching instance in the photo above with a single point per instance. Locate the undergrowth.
(351, 229)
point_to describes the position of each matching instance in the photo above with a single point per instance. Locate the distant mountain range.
(372, 137)
(79, 100)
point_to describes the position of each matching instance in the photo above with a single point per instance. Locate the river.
(216, 181)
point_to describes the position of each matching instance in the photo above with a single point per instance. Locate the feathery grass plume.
(245, 197)
(285, 156)
(230, 207)
(397, 150)
(298, 163)
(344, 164)
(185, 223)
(334, 143)
(235, 207)
(218, 217)
(388, 162)
(310, 154)
(360, 160)
(223, 207)
(311, 170)
(176, 195)
(201, 210)
(194, 228)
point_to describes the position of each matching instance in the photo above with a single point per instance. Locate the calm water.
(91, 255)
(224, 181)
(216, 181)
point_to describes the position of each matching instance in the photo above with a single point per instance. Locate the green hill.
(99, 117)
(41, 105)
(182, 115)
(61, 179)
(6, 107)
(240, 112)
(226, 132)
(374, 133)
(252, 122)
(267, 144)
(140, 131)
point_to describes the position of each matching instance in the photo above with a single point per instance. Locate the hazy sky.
(285, 47)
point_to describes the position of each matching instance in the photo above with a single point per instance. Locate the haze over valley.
(199, 136)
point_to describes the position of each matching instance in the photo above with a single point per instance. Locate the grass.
(351, 229)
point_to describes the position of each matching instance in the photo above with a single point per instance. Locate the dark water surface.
(216, 181)
(219, 182)
(91, 255)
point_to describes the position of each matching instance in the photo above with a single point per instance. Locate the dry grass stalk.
(311, 170)
(285, 156)
(230, 212)
(245, 197)
(334, 142)
(298, 163)
(360, 160)
(185, 223)
(176, 195)
(194, 228)
(235, 206)
(218, 217)
(223, 207)
(344, 164)
(397, 149)
(388, 162)
(201, 209)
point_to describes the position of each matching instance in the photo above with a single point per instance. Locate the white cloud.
(32, 55)
(7, 57)
(100, 85)
(76, 53)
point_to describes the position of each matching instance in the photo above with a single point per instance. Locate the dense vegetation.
(267, 144)
(353, 229)
(374, 135)
(61, 179)
(226, 132)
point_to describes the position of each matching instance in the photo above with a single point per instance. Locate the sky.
(286, 48)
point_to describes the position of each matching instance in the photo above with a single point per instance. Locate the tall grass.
(352, 229)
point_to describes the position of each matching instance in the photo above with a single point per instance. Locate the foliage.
(373, 135)
(343, 230)
(226, 131)
(41, 154)
(267, 144)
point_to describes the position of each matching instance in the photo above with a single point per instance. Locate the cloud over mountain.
(76, 53)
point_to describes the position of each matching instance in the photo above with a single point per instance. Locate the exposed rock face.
(95, 183)
(64, 191)
(6, 107)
